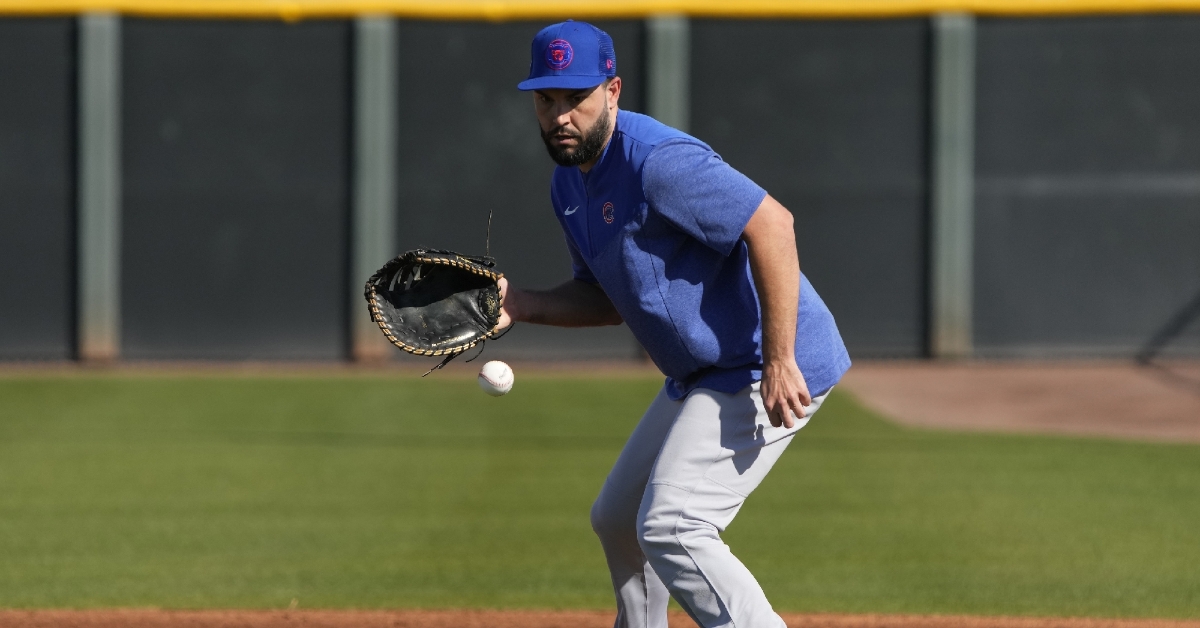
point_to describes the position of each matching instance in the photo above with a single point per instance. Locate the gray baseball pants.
(678, 483)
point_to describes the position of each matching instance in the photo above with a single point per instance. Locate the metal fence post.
(99, 201)
(668, 78)
(953, 186)
(374, 200)
(668, 70)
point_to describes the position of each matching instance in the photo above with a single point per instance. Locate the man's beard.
(588, 145)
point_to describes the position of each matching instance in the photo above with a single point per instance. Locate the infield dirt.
(511, 619)
(1123, 400)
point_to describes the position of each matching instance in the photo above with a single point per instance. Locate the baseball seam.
(491, 381)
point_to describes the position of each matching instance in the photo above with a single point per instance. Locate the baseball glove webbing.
(436, 303)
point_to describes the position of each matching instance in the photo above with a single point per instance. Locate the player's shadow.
(741, 433)
(1162, 338)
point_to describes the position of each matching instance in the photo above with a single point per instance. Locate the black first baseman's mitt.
(436, 303)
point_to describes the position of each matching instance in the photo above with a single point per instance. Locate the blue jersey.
(657, 223)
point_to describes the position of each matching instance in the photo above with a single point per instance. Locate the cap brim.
(560, 82)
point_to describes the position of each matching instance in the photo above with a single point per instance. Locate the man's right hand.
(784, 392)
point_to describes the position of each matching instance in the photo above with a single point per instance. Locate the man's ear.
(613, 90)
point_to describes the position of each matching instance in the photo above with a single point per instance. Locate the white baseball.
(495, 378)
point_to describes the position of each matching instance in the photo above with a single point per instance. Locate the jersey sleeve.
(579, 267)
(693, 189)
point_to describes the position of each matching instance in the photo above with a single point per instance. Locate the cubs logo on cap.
(570, 55)
(559, 54)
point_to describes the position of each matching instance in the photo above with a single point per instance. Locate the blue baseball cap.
(570, 55)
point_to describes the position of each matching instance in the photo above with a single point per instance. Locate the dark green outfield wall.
(1088, 188)
(237, 175)
(831, 118)
(237, 195)
(37, 188)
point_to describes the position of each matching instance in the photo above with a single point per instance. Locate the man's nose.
(562, 115)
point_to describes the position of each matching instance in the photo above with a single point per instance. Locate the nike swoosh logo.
(570, 210)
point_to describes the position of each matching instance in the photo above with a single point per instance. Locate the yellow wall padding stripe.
(499, 10)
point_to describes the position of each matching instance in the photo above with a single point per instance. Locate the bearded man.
(701, 263)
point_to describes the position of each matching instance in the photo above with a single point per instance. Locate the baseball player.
(701, 263)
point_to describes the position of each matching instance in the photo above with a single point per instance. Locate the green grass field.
(372, 491)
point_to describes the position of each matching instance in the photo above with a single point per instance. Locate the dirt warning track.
(509, 619)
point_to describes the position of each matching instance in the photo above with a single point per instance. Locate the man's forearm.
(771, 242)
(572, 304)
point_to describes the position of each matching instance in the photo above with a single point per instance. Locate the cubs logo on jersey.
(608, 213)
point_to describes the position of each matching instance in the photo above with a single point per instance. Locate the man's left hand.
(784, 392)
